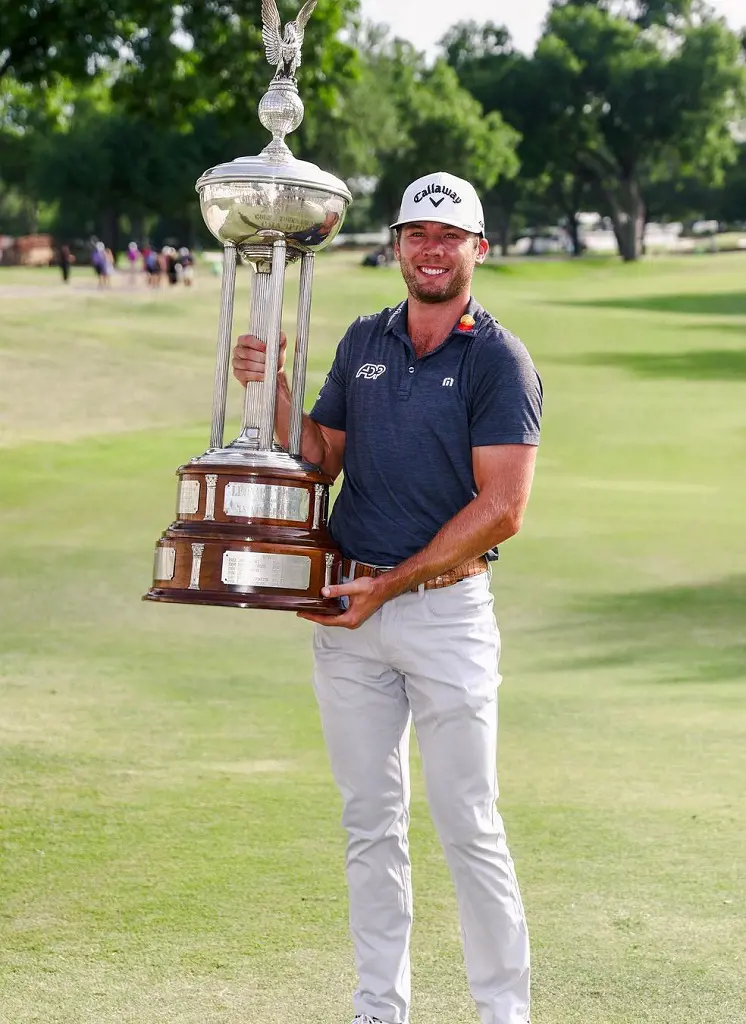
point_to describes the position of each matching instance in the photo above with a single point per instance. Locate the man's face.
(437, 261)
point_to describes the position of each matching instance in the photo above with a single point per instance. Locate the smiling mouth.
(433, 272)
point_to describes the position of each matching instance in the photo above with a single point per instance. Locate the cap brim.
(436, 220)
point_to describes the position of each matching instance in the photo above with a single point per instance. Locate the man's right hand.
(249, 358)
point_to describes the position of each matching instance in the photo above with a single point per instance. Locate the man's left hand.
(365, 596)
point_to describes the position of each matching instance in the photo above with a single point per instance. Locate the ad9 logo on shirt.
(371, 371)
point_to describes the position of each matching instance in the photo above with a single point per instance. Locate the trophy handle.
(301, 354)
(225, 331)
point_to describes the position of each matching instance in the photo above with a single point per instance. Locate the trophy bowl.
(246, 204)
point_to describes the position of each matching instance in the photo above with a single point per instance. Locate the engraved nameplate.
(266, 501)
(165, 560)
(188, 497)
(255, 569)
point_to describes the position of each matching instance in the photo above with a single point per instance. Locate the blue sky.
(424, 22)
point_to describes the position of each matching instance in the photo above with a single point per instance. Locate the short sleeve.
(330, 409)
(506, 394)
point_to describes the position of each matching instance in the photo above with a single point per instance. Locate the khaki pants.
(430, 657)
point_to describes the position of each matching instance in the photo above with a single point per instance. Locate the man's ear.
(397, 250)
(482, 250)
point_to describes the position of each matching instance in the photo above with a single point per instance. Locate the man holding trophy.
(432, 410)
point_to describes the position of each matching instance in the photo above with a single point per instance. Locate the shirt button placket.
(405, 387)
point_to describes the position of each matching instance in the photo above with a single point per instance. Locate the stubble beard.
(460, 282)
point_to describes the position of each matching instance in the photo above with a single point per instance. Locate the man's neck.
(430, 323)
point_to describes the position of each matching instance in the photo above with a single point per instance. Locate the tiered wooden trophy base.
(251, 533)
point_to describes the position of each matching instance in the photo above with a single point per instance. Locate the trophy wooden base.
(249, 536)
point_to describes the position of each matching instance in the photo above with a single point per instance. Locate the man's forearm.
(474, 530)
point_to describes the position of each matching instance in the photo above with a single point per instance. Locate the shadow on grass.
(692, 633)
(716, 327)
(696, 364)
(547, 267)
(705, 304)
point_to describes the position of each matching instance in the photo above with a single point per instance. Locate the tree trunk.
(643, 246)
(577, 191)
(617, 232)
(503, 233)
(628, 216)
(30, 215)
(573, 230)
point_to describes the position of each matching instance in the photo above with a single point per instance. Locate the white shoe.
(363, 1018)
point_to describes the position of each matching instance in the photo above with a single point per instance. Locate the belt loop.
(421, 591)
(353, 567)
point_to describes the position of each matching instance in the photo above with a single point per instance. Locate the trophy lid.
(265, 168)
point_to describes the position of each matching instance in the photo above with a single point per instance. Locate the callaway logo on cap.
(444, 198)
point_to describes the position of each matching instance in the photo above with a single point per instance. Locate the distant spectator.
(171, 261)
(133, 255)
(66, 259)
(98, 262)
(108, 266)
(152, 266)
(187, 263)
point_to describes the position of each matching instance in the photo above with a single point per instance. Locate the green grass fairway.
(170, 848)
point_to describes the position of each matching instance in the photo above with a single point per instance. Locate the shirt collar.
(397, 321)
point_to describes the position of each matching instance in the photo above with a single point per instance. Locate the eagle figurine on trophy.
(284, 49)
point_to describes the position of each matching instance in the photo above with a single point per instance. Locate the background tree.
(730, 201)
(496, 75)
(27, 116)
(433, 123)
(199, 57)
(362, 126)
(643, 84)
(551, 183)
(43, 40)
(156, 87)
(109, 113)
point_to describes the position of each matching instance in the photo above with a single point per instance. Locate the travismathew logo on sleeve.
(442, 190)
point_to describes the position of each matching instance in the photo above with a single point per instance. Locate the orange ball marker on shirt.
(466, 323)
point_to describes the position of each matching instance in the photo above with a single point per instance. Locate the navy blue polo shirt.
(411, 425)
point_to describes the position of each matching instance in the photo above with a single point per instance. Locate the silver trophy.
(251, 517)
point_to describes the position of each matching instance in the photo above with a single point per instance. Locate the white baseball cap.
(443, 198)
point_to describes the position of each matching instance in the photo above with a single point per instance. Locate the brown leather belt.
(475, 567)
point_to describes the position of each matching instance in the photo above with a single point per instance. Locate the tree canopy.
(659, 86)
(109, 112)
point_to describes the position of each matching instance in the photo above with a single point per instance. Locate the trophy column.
(225, 337)
(300, 362)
